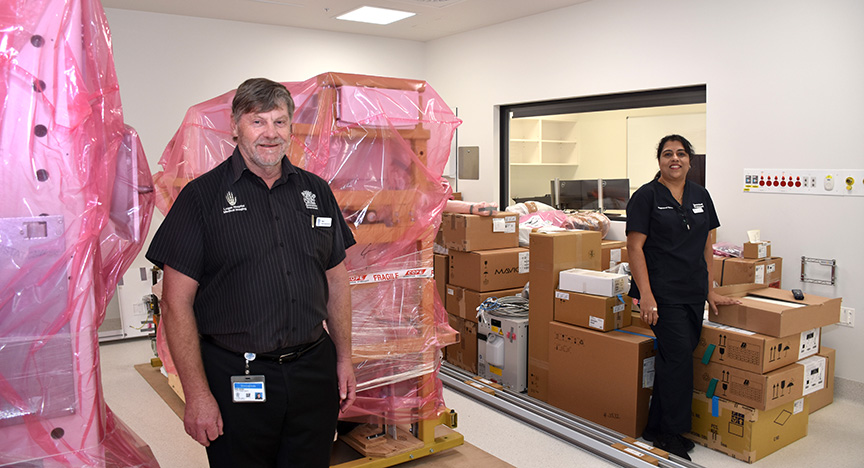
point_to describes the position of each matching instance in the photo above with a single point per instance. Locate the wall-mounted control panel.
(848, 182)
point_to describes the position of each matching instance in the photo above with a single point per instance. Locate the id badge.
(248, 388)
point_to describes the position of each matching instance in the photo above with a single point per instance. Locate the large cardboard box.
(552, 252)
(822, 398)
(465, 232)
(589, 311)
(746, 433)
(464, 353)
(612, 253)
(775, 312)
(463, 302)
(599, 283)
(764, 271)
(441, 270)
(490, 270)
(603, 377)
(750, 351)
(760, 391)
(756, 249)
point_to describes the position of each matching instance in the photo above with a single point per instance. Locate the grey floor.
(835, 439)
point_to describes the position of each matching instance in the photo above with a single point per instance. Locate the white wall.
(784, 90)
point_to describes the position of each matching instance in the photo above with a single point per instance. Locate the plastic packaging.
(74, 210)
(382, 144)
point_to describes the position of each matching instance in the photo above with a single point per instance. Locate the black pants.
(678, 329)
(293, 428)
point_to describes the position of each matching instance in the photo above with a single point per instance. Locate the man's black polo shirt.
(674, 254)
(260, 255)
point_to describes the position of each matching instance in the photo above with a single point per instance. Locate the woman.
(668, 224)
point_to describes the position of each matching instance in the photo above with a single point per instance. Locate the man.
(253, 253)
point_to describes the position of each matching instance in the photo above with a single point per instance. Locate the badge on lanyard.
(248, 388)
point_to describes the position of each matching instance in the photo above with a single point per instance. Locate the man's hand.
(347, 384)
(202, 418)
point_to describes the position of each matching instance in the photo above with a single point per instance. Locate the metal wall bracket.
(818, 270)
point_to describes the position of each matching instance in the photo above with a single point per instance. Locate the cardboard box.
(764, 271)
(441, 270)
(775, 312)
(612, 253)
(750, 351)
(760, 391)
(824, 397)
(463, 302)
(757, 249)
(599, 283)
(746, 433)
(552, 252)
(466, 233)
(589, 311)
(603, 377)
(464, 353)
(490, 270)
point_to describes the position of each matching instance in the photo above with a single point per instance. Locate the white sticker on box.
(614, 256)
(814, 374)
(450, 292)
(524, 262)
(762, 250)
(498, 225)
(772, 268)
(809, 343)
(596, 322)
(798, 406)
(727, 327)
(648, 372)
(618, 308)
(760, 274)
(562, 295)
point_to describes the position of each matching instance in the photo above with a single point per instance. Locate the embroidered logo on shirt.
(698, 207)
(232, 201)
(309, 200)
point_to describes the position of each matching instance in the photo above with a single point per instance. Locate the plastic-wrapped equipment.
(74, 210)
(382, 144)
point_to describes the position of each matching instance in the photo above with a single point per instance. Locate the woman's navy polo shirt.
(674, 254)
(260, 255)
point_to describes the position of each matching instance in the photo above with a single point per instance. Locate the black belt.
(292, 353)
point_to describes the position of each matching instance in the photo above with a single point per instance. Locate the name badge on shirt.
(248, 389)
(698, 208)
(323, 222)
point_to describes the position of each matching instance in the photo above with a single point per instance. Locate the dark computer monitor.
(584, 194)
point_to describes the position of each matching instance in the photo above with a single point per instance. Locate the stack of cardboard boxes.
(583, 356)
(759, 370)
(756, 266)
(484, 260)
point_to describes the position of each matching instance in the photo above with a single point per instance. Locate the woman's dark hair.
(260, 95)
(680, 139)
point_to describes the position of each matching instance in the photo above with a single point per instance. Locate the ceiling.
(434, 18)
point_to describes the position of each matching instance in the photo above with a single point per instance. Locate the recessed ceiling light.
(375, 15)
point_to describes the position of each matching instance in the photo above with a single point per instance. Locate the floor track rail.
(582, 433)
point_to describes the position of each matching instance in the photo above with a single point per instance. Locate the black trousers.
(293, 428)
(678, 329)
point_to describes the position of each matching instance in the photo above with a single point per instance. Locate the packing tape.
(708, 352)
(711, 387)
(715, 407)
(653, 338)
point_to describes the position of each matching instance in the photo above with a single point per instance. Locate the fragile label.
(391, 275)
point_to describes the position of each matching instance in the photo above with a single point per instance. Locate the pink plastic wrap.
(382, 144)
(75, 205)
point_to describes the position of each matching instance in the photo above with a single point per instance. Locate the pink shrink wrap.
(75, 206)
(382, 145)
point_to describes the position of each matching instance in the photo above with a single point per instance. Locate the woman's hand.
(648, 310)
(715, 299)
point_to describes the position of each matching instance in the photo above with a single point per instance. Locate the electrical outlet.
(847, 317)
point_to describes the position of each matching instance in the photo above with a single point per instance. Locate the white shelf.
(538, 142)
